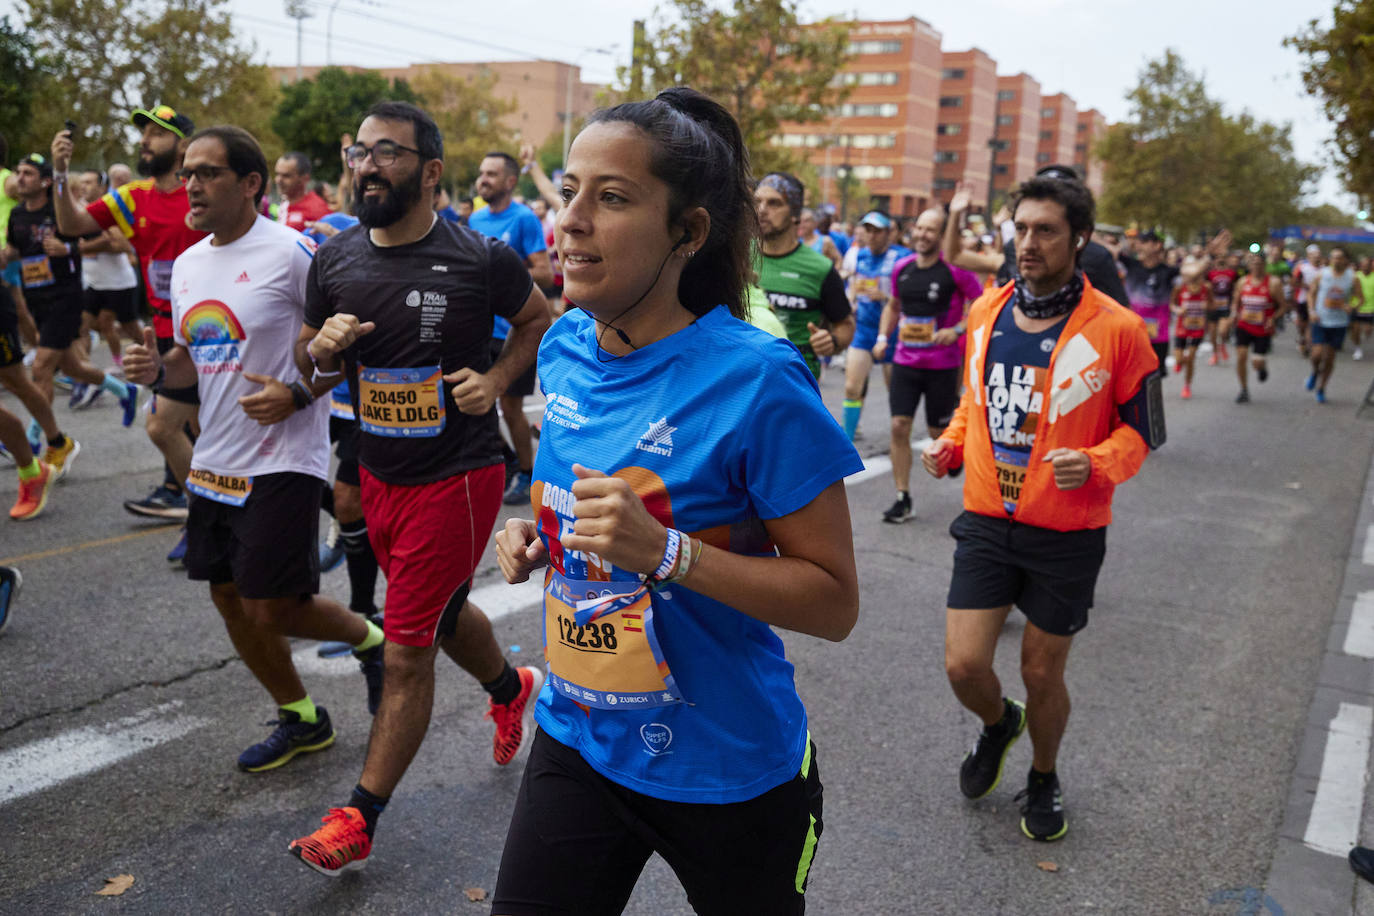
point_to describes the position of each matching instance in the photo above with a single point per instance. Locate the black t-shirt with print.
(433, 302)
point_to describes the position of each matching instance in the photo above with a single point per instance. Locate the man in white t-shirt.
(238, 298)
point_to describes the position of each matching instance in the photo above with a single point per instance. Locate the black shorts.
(1186, 343)
(1161, 348)
(578, 841)
(940, 387)
(1300, 309)
(1362, 318)
(345, 433)
(57, 314)
(119, 301)
(11, 348)
(188, 395)
(523, 386)
(1050, 575)
(1258, 344)
(1218, 314)
(268, 547)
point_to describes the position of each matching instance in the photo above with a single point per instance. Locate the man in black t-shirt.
(404, 303)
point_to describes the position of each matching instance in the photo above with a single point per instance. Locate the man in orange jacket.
(1061, 404)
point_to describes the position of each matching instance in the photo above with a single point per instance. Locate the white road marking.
(1368, 552)
(1334, 824)
(1359, 635)
(47, 762)
(501, 600)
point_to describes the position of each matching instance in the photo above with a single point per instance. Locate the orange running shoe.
(33, 493)
(510, 717)
(341, 845)
(1186, 393)
(61, 458)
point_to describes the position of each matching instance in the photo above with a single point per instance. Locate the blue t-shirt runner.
(670, 693)
(519, 228)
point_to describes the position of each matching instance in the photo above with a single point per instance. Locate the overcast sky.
(1091, 49)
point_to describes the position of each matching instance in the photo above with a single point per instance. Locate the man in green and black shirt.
(802, 286)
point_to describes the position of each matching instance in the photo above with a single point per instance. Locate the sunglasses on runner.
(383, 153)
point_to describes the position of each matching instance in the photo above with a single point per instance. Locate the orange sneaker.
(510, 717)
(341, 845)
(33, 494)
(1186, 393)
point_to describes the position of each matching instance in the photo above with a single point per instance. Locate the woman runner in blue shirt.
(689, 494)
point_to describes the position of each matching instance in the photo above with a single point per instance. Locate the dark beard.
(157, 166)
(381, 213)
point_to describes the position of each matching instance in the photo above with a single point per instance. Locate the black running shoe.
(290, 737)
(900, 510)
(981, 770)
(1263, 373)
(1243, 397)
(1042, 811)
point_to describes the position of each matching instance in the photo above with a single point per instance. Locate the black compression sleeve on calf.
(362, 566)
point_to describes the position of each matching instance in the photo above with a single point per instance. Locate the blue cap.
(876, 218)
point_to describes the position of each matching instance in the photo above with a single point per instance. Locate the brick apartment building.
(967, 112)
(1018, 131)
(884, 133)
(538, 87)
(1058, 130)
(1091, 126)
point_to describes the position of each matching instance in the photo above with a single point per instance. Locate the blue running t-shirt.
(873, 281)
(717, 427)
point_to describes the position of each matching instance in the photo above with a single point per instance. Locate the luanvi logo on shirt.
(658, 440)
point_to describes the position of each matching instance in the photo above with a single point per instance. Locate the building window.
(1001, 146)
(866, 172)
(947, 156)
(952, 73)
(868, 110)
(1006, 120)
(875, 47)
(1042, 158)
(1006, 95)
(999, 170)
(1081, 148)
(949, 130)
(945, 184)
(1048, 113)
(1082, 127)
(951, 101)
(872, 78)
(1046, 135)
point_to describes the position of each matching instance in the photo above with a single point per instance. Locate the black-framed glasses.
(383, 153)
(202, 173)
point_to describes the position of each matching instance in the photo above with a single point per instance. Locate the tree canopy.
(1339, 70)
(1180, 162)
(315, 112)
(117, 56)
(756, 58)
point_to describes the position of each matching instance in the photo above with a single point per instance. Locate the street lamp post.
(298, 10)
(992, 169)
(846, 173)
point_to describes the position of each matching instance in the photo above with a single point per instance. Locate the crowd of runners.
(389, 318)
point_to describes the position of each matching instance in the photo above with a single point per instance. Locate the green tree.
(117, 56)
(314, 113)
(1219, 170)
(469, 114)
(24, 79)
(756, 59)
(1339, 70)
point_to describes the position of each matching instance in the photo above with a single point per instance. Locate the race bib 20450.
(401, 403)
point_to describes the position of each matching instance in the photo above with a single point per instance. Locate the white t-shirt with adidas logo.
(238, 308)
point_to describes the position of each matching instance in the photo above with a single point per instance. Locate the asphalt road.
(123, 707)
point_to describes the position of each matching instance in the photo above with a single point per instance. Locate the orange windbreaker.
(1099, 362)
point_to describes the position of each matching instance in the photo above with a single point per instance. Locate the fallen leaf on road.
(476, 894)
(116, 886)
(1295, 485)
(1047, 866)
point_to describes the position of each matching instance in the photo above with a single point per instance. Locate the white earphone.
(1081, 242)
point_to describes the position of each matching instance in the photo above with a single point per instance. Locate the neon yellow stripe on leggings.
(809, 847)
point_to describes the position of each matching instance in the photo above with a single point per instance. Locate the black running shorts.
(1258, 344)
(268, 547)
(119, 301)
(940, 387)
(578, 841)
(523, 386)
(1050, 575)
(345, 433)
(188, 395)
(57, 314)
